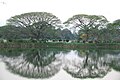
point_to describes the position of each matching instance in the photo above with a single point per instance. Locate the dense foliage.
(46, 26)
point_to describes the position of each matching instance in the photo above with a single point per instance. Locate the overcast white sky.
(63, 9)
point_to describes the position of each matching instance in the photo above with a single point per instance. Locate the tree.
(116, 24)
(35, 23)
(114, 30)
(11, 32)
(67, 34)
(88, 24)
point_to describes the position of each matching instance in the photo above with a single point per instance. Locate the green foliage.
(88, 24)
(43, 26)
(11, 32)
(34, 24)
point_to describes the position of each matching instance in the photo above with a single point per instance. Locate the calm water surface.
(56, 64)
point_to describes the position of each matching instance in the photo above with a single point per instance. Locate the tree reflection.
(114, 60)
(45, 63)
(35, 63)
(91, 64)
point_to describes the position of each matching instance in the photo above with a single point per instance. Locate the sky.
(63, 9)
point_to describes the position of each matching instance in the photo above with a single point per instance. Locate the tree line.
(46, 26)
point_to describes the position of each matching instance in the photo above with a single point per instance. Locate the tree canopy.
(44, 26)
(35, 23)
(87, 23)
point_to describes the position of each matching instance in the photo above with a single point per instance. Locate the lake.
(59, 64)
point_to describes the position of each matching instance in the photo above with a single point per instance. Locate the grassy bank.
(60, 45)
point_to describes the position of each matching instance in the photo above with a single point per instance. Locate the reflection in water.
(37, 63)
(45, 63)
(92, 65)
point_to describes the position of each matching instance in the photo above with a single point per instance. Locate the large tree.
(35, 23)
(88, 24)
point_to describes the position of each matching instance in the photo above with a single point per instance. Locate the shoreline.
(61, 45)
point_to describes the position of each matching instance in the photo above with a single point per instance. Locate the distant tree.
(35, 23)
(114, 30)
(116, 24)
(67, 34)
(11, 32)
(88, 24)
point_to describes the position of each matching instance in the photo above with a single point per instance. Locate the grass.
(65, 45)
